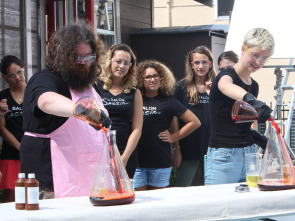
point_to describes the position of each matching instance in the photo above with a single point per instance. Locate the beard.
(81, 76)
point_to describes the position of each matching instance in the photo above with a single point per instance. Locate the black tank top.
(120, 108)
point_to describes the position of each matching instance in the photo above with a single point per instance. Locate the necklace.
(19, 99)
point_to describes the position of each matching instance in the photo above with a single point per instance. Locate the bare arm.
(176, 153)
(56, 104)
(192, 123)
(137, 121)
(226, 86)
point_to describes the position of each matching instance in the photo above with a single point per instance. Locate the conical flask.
(87, 109)
(111, 184)
(242, 112)
(277, 171)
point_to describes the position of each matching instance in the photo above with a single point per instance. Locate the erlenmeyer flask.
(111, 185)
(277, 171)
(243, 112)
(87, 109)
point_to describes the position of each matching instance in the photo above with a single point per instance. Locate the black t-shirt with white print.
(157, 117)
(13, 123)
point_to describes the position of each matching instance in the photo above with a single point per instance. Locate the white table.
(218, 202)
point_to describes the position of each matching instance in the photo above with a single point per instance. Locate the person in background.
(229, 142)
(193, 92)
(59, 148)
(156, 83)
(227, 59)
(11, 122)
(117, 87)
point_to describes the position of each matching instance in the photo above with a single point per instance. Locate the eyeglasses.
(204, 63)
(257, 57)
(18, 73)
(87, 59)
(149, 77)
(119, 62)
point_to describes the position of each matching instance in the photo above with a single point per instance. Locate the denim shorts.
(226, 165)
(152, 177)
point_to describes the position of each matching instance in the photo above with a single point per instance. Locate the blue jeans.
(226, 165)
(152, 177)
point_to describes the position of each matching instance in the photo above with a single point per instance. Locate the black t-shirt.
(120, 108)
(224, 132)
(157, 117)
(14, 124)
(35, 152)
(195, 145)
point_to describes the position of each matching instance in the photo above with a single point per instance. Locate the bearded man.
(57, 147)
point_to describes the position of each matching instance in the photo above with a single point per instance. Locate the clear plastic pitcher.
(277, 170)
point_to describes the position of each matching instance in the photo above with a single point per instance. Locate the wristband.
(175, 148)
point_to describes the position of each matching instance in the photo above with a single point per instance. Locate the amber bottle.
(20, 195)
(32, 192)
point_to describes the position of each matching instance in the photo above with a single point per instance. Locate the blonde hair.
(166, 76)
(129, 79)
(259, 37)
(192, 92)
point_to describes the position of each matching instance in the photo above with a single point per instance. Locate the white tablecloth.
(218, 202)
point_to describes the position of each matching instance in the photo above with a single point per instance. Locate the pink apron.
(76, 148)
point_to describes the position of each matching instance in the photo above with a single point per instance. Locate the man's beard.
(81, 77)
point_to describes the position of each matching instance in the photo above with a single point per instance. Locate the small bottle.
(32, 192)
(20, 194)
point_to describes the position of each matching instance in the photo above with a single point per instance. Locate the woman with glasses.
(156, 83)
(193, 92)
(117, 87)
(229, 142)
(11, 122)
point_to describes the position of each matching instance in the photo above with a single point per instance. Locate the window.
(224, 8)
(104, 21)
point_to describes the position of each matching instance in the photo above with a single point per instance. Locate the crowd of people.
(159, 122)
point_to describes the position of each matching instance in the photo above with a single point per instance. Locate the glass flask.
(111, 184)
(277, 170)
(243, 112)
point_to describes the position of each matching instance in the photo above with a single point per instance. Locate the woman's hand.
(3, 107)
(176, 157)
(166, 136)
(208, 86)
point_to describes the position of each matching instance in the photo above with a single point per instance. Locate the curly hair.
(63, 44)
(167, 77)
(129, 79)
(192, 93)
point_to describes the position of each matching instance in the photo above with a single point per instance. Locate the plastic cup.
(242, 112)
(253, 162)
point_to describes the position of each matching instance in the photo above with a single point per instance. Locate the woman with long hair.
(117, 87)
(193, 92)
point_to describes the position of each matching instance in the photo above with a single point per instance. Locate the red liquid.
(273, 187)
(112, 199)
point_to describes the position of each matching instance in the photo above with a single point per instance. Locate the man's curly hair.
(63, 45)
(166, 76)
(106, 76)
